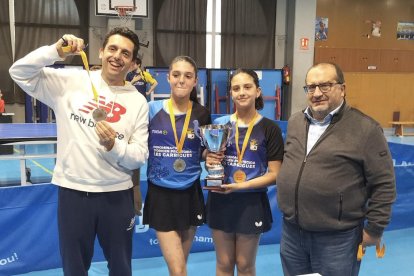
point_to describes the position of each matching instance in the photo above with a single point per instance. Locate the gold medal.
(179, 165)
(239, 176)
(99, 114)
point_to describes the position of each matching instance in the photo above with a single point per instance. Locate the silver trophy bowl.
(215, 138)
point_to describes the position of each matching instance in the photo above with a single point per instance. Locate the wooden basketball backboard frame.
(107, 7)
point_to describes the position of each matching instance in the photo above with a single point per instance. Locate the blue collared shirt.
(317, 128)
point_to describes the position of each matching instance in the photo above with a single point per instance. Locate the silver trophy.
(215, 138)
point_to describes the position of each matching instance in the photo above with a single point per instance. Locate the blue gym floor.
(397, 261)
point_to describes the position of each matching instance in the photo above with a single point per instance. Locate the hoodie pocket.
(83, 163)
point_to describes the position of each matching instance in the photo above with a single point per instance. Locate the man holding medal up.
(102, 130)
(239, 212)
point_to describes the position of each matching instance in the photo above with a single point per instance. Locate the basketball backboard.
(107, 7)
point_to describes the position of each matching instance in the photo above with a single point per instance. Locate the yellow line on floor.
(41, 166)
(36, 163)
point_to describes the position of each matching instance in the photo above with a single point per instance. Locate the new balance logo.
(114, 110)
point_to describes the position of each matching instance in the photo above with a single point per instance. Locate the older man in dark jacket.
(336, 184)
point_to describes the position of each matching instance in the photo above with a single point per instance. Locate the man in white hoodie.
(102, 128)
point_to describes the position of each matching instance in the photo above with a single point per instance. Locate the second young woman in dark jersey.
(240, 212)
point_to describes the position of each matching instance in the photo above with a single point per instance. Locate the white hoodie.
(82, 163)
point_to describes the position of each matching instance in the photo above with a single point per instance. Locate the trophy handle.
(197, 131)
(232, 133)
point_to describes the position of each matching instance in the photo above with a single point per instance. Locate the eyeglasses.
(323, 87)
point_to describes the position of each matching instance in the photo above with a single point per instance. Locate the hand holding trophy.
(215, 138)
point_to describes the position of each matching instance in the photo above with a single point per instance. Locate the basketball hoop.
(125, 13)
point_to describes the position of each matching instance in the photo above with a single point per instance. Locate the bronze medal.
(179, 165)
(239, 176)
(99, 114)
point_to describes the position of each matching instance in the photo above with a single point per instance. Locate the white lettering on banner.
(402, 163)
(10, 259)
(202, 239)
(153, 242)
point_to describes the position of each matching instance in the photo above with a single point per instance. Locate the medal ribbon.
(246, 138)
(180, 143)
(67, 49)
(380, 251)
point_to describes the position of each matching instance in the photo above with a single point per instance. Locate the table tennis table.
(17, 133)
(21, 135)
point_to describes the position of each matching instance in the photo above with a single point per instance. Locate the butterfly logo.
(258, 223)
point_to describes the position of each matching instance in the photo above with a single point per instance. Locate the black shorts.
(174, 210)
(240, 212)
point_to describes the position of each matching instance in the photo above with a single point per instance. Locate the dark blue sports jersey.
(163, 150)
(265, 144)
(140, 85)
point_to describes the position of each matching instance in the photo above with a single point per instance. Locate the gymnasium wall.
(379, 94)
(379, 71)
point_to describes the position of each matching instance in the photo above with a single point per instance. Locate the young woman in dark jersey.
(174, 205)
(240, 212)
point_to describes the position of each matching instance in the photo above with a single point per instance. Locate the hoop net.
(125, 13)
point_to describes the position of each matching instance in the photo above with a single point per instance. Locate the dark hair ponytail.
(193, 95)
